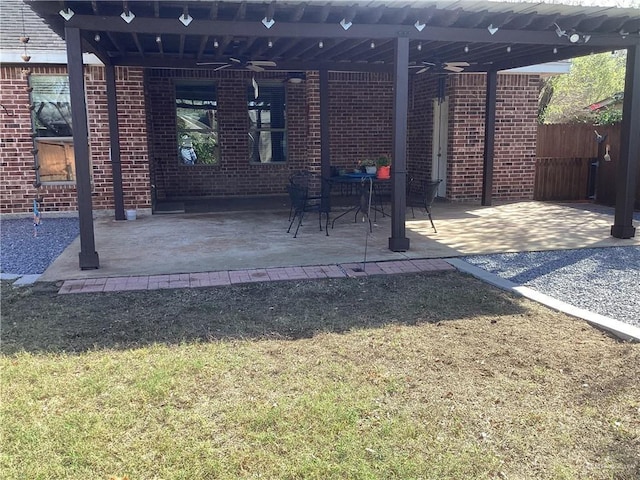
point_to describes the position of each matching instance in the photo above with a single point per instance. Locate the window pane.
(51, 112)
(267, 123)
(197, 124)
(52, 128)
(56, 160)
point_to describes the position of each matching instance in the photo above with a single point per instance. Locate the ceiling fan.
(253, 65)
(454, 67)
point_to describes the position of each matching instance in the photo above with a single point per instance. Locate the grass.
(405, 376)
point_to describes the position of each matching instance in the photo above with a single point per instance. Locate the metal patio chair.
(302, 202)
(421, 194)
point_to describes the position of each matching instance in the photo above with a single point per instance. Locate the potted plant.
(384, 167)
(369, 166)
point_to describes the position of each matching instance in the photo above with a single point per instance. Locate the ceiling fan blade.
(456, 64)
(211, 63)
(453, 68)
(235, 60)
(422, 70)
(255, 68)
(226, 65)
(262, 63)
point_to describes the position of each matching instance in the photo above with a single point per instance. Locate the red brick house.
(333, 84)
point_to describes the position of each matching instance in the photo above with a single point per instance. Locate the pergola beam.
(324, 30)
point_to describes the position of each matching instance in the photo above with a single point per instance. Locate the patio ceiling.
(338, 35)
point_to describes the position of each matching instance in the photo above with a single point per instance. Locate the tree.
(591, 79)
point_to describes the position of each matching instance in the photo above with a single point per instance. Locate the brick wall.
(17, 191)
(361, 111)
(515, 136)
(234, 174)
(360, 116)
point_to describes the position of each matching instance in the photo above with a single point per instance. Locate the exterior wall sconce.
(296, 77)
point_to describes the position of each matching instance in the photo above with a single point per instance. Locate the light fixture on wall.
(372, 45)
(296, 77)
(270, 44)
(96, 37)
(158, 39)
(466, 49)
(508, 48)
(555, 50)
(215, 44)
(320, 44)
(419, 47)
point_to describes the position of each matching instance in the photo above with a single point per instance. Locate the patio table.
(362, 181)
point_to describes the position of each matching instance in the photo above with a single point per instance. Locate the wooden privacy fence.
(561, 178)
(565, 154)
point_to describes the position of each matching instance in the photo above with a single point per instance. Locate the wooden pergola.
(342, 36)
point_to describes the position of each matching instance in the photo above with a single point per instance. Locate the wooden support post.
(114, 142)
(88, 255)
(629, 149)
(398, 242)
(489, 136)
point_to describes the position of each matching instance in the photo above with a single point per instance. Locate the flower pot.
(370, 170)
(384, 172)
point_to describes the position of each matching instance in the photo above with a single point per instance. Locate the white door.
(440, 141)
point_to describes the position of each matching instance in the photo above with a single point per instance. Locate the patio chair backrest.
(422, 192)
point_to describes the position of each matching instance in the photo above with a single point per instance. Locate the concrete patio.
(249, 239)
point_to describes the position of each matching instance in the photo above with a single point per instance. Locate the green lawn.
(406, 376)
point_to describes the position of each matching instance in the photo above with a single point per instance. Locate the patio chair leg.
(431, 220)
(295, 235)
(291, 222)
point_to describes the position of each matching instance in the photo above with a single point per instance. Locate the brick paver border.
(214, 279)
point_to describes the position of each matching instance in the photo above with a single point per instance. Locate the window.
(267, 123)
(197, 124)
(53, 133)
